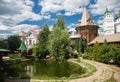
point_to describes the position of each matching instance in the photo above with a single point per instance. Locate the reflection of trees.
(42, 69)
(16, 71)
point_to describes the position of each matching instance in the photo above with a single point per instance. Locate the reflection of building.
(30, 70)
(108, 23)
(86, 27)
(30, 37)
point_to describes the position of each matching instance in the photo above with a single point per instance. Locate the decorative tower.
(117, 23)
(108, 23)
(86, 27)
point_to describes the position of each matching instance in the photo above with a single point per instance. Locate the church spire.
(107, 10)
(86, 19)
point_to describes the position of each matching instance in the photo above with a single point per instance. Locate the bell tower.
(86, 27)
(108, 23)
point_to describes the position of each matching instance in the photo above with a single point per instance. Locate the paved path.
(116, 70)
(103, 73)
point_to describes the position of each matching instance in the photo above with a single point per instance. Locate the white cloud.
(13, 12)
(70, 7)
(47, 16)
(100, 21)
(4, 27)
(24, 27)
(16, 11)
(100, 6)
(50, 5)
(72, 25)
(17, 28)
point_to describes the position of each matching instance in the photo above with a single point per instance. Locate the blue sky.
(27, 14)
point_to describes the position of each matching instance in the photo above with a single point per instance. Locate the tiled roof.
(109, 38)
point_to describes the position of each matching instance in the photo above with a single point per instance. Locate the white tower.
(117, 23)
(108, 23)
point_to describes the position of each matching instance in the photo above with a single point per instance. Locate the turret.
(108, 23)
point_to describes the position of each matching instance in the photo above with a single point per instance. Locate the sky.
(27, 14)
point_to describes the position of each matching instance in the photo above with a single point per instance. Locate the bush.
(95, 52)
(14, 56)
(116, 56)
(106, 53)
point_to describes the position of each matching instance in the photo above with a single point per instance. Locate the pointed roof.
(22, 46)
(107, 10)
(86, 19)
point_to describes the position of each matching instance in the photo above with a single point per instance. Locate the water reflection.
(41, 70)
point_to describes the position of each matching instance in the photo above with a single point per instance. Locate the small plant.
(14, 56)
(78, 59)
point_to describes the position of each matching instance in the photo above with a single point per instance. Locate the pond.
(43, 70)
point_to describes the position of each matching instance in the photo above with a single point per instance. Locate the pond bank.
(61, 80)
(103, 74)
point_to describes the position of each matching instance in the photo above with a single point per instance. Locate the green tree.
(14, 42)
(116, 56)
(95, 51)
(60, 23)
(89, 51)
(3, 44)
(41, 48)
(59, 41)
(104, 52)
(80, 45)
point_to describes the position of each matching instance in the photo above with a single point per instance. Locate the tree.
(41, 48)
(116, 56)
(80, 45)
(59, 41)
(95, 51)
(60, 22)
(3, 44)
(104, 52)
(14, 42)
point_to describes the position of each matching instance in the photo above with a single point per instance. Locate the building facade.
(108, 23)
(117, 23)
(30, 37)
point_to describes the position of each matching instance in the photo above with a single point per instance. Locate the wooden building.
(86, 27)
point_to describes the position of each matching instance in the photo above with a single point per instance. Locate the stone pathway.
(116, 70)
(103, 73)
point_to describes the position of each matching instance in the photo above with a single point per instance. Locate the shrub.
(95, 51)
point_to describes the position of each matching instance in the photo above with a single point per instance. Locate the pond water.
(44, 70)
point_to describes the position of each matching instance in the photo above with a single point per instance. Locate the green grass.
(16, 57)
(89, 68)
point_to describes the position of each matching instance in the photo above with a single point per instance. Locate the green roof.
(107, 11)
(22, 46)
